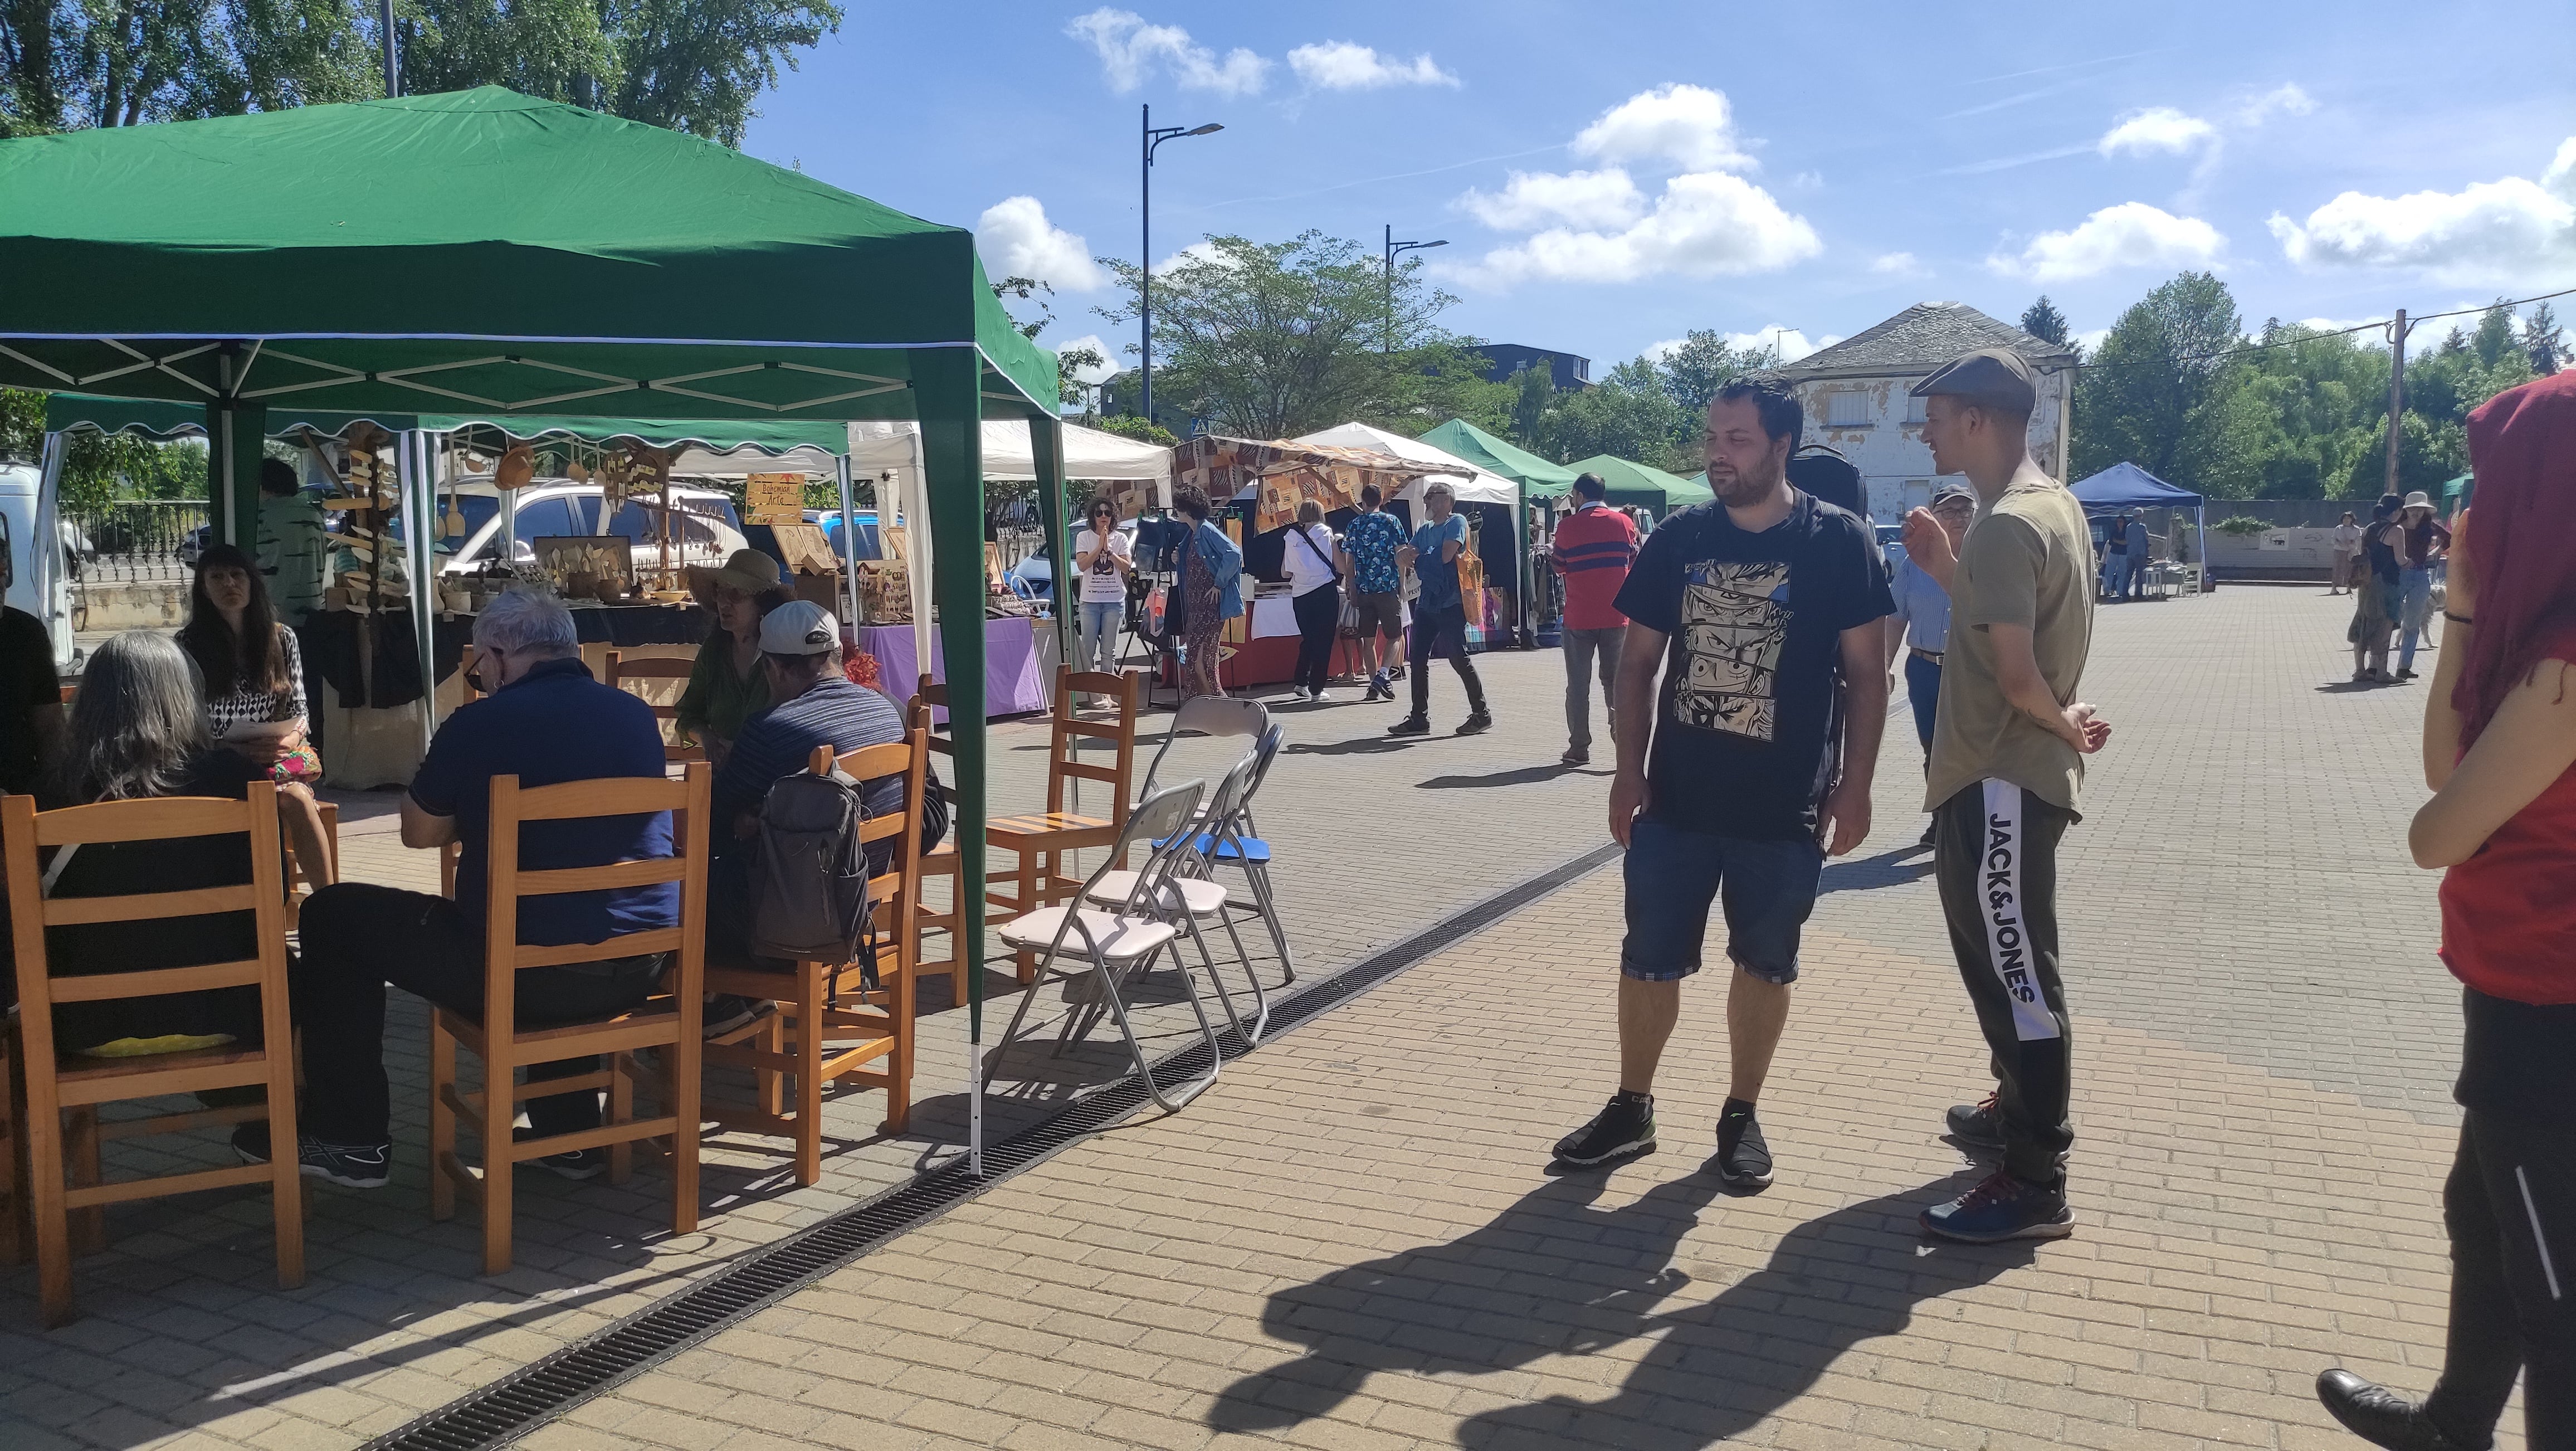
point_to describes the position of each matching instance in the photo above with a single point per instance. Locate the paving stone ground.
(2246, 942)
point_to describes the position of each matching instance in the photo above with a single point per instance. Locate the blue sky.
(1611, 176)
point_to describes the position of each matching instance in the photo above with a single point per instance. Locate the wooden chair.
(669, 1022)
(829, 1024)
(299, 882)
(938, 864)
(1045, 840)
(57, 1083)
(622, 671)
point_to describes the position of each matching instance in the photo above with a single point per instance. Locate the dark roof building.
(1922, 338)
(1568, 371)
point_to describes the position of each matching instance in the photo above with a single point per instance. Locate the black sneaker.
(1477, 724)
(2405, 674)
(728, 1011)
(353, 1166)
(1743, 1155)
(1411, 725)
(2001, 1208)
(1576, 756)
(1623, 1130)
(2381, 1416)
(573, 1164)
(1929, 832)
(1980, 1124)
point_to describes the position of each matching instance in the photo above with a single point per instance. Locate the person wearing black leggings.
(1308, 560)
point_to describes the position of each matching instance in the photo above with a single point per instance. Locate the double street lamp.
(1393, 249)
(1145, 259)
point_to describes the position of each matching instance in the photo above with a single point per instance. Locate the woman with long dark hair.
(1211, 589)
(138, 731)
(251, 675)
(2500, 755)
(1104, 560)
(726, 686)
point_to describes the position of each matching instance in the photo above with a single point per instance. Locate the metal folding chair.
(1233, 841)
(1212, 715)
(1120, 943)
(1190, 897)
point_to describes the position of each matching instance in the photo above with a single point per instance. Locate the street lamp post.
(1145, 259)
(1394, 247)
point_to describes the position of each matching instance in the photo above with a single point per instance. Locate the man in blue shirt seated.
(816, 705)
(1440, 613)
(1920, 628)
(545, 721)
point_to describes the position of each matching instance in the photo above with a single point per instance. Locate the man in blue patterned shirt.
(1369, 543)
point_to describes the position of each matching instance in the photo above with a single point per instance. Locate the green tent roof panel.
(1465, 440)
(1636, 483)
(554, 260)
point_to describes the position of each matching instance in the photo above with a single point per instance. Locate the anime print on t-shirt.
(1735, 618)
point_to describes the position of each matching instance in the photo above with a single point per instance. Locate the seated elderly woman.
(253, 678)
(138, 731)
(728, 686)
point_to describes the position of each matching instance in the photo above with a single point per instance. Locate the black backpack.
(809, 889)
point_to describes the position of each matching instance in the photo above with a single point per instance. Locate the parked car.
(1891, 545)
(871, 542)
(50, 602)
(708, 527)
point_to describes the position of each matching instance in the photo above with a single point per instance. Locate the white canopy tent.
(1089, 453)
(1471, 484)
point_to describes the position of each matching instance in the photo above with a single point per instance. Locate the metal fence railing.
(133, 541)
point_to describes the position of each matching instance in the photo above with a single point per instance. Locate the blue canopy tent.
(2127, 486)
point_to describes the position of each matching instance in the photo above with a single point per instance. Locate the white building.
(1856, 399)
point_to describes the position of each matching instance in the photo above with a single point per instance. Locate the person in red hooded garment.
(2500, 755)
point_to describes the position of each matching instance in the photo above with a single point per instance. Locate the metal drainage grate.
(538, 1393)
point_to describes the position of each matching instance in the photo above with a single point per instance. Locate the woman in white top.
(1312, 579)
(252, 676)
(2347, 548)
(1103, 560)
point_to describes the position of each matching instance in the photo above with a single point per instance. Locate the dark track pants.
(1994, 853)
(1319, 621)
(2511, 1210)
(1442, 631)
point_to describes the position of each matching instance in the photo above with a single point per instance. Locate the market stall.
(1543, 487)
(741, 290)
(1497, 518)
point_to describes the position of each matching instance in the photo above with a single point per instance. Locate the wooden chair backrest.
(1127, 690)
(909, 759)
(934, 693)
(663, 667)
(24, 831)
(514, 805)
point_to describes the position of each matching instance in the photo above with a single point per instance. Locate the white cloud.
(1129, 48)
(1657, 352)
(2132, 234)
(1194, 252)
(1705, 224)
(2504, 231)
(1898, 264)
(1791, 343)
(1531, 200)
(1690, 126)
(1090, 375)
(2339, 324)
(2157, 128)
(1340, 65)
(2090, 340)
(2285, 100)
(1017, 240)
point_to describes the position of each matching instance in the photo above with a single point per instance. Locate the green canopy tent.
(2456, 493)
(486, 251)
(1635, 483)
(1534, 474)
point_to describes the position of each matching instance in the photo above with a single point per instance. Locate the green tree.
(2159, 389)
(2543, 346)
(697, 65)
(1630, 413)
(1692, 372)
(1274, 339)
(2042, 320)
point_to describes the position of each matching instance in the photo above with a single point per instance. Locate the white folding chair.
(1119, 944)
(1191, 896)
(1211, 715)
(1233, 841)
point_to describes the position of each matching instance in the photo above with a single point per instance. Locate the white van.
(708, 529)
(48, 599)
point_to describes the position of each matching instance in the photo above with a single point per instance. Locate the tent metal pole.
(948, 385)
(1046, 460)
(850, 544)
(45, 550)
(411, 462)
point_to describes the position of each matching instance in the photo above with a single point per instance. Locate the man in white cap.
(2423, 541)
(816, 705)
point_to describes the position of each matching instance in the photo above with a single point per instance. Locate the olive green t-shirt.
(2027, 560)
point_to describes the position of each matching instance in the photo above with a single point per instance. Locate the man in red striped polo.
(1593, 549)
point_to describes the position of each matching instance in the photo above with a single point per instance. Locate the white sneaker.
(1321, 697)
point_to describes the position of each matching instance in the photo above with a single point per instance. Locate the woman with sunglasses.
(1105, 560)
(2500, 755)
(251, 673)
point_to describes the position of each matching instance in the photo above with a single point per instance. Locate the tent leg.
(948, 383)
(1046, 454)
(850, 548)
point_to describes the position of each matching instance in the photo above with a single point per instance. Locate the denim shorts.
(1767, 888)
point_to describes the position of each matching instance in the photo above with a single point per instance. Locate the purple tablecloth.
(1014, 683)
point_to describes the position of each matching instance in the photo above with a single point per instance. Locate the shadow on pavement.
(1553, 1276)
(1522, 776)
(1887, 869)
